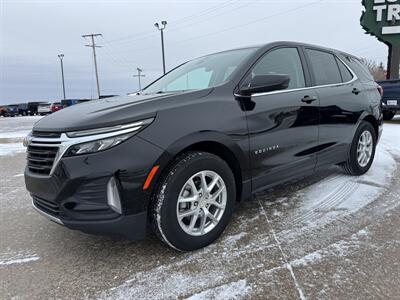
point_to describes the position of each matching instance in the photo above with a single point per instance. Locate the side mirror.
(266, 83)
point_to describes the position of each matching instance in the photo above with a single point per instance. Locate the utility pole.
(61, 57)
(161, 28)
(139, 74)
(94, 46)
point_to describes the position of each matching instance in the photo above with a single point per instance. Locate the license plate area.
(392, 102)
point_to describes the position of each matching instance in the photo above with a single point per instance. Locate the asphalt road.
(328, 236)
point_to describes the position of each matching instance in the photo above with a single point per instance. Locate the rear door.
(340, 95)
(283, 125)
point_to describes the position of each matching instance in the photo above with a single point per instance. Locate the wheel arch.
(216, 143)
(374, 122)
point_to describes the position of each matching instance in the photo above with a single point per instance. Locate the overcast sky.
(32, 33)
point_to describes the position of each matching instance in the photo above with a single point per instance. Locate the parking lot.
(323, 237)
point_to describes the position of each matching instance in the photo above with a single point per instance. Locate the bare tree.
(377, 71)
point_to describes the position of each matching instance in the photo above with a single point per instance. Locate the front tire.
(362, 151)
(194, 201)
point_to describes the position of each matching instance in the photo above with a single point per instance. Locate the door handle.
(356, 91)
(309, 99)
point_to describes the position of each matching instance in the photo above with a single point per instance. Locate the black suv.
(391, 98)
(210, 133)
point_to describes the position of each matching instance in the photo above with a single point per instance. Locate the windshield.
(200, 73)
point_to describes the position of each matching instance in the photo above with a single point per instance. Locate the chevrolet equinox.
(181, 153)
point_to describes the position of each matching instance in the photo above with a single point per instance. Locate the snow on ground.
(11, 148)
(338, 249)
(12, 132)
(229, 291)
(21, 257)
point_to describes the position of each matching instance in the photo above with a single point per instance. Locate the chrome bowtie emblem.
(27, 140)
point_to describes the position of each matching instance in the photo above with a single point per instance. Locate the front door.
(283, 125)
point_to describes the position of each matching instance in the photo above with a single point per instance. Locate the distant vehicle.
(33, 108)
(44, 108)
(3, 111)
(23, 109)
(391, 98)
(211, 132)
(12, 110)
(69, 102)
(55, 106)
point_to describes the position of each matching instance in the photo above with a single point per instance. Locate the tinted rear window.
(359, 68)
(324, 67)
(344, 71)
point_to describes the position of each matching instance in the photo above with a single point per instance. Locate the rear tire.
(388, 115)
(198, 184)
(362, 151)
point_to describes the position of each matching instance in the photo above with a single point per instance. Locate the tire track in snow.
(342, 193)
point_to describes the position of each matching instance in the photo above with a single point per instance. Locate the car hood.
(113, 111)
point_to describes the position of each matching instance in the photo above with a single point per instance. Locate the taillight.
(380, 89)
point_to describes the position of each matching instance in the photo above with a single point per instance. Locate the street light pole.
(139, 74)
(161, 28)
(61, 57)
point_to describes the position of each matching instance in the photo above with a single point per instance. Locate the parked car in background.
(44, 108)
(210, 133)
(12, 110)
(55, 106)
(23, 109)
(2, 111)
(69, 102)
(391, 98)
(33, 108)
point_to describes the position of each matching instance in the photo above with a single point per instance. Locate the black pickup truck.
(391, 98)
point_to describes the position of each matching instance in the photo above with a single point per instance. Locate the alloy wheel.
(201, 203)
(364, 148)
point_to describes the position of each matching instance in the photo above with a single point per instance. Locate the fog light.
(113, 198)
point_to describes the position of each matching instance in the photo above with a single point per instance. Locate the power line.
(94, 46)
(148, 33)
(231, 28)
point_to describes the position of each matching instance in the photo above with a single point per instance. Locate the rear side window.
(324, 67)
(346, 74)
(282, 61)
(360, 69)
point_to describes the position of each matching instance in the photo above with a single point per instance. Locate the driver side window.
(284, 61)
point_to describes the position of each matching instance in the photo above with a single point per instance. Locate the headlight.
(99, 139)
(98, 145)
(113, 129)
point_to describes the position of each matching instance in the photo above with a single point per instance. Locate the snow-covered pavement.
(323, 237)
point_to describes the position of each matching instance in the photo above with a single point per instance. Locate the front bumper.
(75, 194)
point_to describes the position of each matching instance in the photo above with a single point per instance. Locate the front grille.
(41, 159)
(47, 206)
(43, 134)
